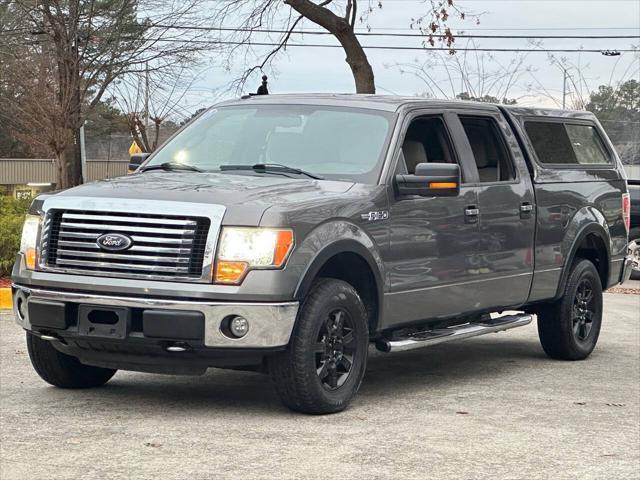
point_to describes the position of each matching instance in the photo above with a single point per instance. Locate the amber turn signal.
(284, 242)
(30, 258)
(230, 272)
(442, 185)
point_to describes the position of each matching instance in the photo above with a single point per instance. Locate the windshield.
(333, 143)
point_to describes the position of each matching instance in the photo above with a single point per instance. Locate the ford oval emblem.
(114, 242)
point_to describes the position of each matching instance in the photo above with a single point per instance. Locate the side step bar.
(442, 335)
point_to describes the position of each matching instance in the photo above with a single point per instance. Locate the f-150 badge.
(375, 216)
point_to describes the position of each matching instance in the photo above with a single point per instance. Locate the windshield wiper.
(172, 167)
(270, 168)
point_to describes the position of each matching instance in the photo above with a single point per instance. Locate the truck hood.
(215, 188)
(245, 197)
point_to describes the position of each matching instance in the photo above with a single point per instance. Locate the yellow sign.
(134, 148)
(5, 298)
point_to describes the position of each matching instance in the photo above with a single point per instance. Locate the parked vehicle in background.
(135, 160)
(634, 232)
(286, 233)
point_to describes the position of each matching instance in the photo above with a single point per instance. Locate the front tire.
(569, 328)
(63, 370)
(324, 365)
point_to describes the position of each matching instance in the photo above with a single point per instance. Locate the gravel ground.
(493, 407)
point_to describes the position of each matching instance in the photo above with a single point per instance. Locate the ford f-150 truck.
(287, 233)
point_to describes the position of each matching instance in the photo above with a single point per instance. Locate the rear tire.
(63, 370)
(324, 365)
(569, 328)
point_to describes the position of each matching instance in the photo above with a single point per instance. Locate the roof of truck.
(392, 103)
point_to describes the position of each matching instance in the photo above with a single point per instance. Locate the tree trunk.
(69, 167)
(343, 31)
(156, 134)
(64, 166)
(76, 121)
(67, 145)
(358, 62)
(69, 162)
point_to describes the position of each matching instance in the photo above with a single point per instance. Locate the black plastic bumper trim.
(176, 324)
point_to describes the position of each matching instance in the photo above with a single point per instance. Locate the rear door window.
(490, 154)
(557, 143)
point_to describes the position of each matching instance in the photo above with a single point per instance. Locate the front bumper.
(270, 324)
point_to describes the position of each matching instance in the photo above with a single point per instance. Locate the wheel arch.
(591, 243)
(344, 260)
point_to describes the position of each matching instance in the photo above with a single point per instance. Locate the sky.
(540, 81)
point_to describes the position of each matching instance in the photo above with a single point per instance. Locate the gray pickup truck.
(287, 233)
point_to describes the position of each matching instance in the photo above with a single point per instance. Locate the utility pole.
(564, 87)
(146, 96)
(565, 77)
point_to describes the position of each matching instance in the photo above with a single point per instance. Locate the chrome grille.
(164, 246)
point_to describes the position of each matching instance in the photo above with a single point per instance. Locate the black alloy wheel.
(335, 349)
(583, 310)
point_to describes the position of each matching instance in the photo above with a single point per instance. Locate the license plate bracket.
(104, 321)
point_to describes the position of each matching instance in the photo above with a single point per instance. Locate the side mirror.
(431, 180)
(136, 160)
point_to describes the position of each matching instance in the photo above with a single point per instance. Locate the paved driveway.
(492, 407)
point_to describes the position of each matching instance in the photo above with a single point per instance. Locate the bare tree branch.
(81, 48)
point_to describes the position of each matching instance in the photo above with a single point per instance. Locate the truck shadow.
(448, 366)
(436, 369)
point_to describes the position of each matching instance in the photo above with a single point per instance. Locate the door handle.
(471, 214)
(525, 210)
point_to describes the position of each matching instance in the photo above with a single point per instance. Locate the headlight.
(242, 249)
(29, 239)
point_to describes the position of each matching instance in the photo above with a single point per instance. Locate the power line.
(415, 34)
(408, 29)
(608, 52)
(377, 34)
(382, 47)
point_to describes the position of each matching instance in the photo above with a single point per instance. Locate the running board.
(442, 335)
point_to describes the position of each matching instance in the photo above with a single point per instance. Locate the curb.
(5, 299)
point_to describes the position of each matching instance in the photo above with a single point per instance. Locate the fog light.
(239, 326)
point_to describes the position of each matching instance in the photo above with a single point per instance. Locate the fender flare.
(591, 228)
(335, 248)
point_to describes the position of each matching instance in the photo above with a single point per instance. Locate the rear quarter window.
(557, 143)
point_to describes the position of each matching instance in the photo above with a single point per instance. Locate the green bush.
(12, 214)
